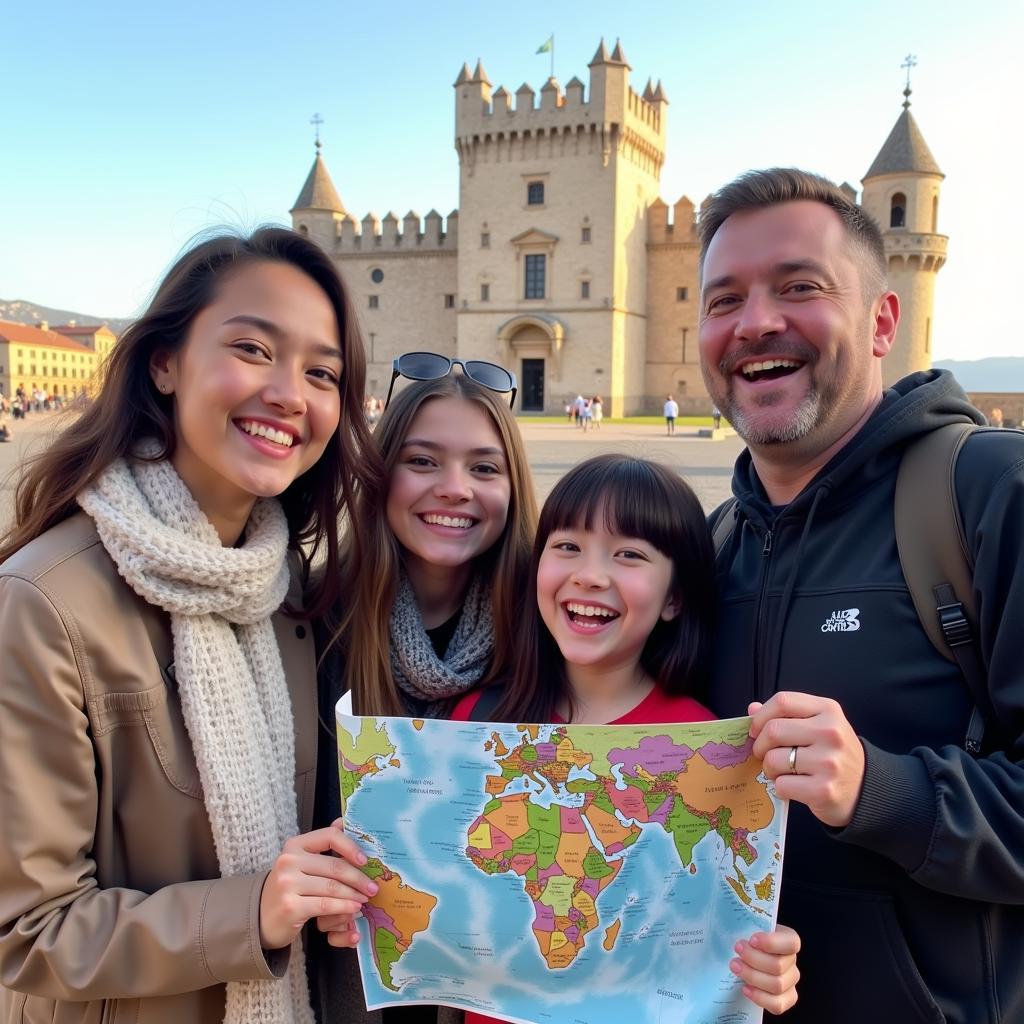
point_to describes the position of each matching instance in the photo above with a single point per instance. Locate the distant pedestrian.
(995, 418)
(568, 411)
(577, 409)
(670, 412)
(587, 414)
(598, 410)
(716, 416)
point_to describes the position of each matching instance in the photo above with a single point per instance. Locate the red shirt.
(656, 708)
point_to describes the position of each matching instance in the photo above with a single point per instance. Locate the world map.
(560, 873)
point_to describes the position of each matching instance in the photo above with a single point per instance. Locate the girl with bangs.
(437, 590)
(624, 577)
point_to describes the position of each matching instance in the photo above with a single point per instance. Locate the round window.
(377, 275)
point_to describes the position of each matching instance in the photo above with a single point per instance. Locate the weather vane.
(910, 61)
(316, 120)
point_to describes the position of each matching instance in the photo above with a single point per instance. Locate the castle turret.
(554, 188)
(901, 192)
(319, 211)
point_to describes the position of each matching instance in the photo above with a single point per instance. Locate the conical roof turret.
(601, 57)
(904, 151)
(319, 193)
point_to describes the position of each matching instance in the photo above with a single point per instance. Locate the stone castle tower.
(562, 262)
(901, 192)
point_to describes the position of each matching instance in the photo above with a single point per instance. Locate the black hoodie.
(915, 910)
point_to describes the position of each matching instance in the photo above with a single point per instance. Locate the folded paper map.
(564, 874)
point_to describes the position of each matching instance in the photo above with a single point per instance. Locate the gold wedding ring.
(792, 761)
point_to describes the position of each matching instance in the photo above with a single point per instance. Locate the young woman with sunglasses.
(157, 712)
(435, 594)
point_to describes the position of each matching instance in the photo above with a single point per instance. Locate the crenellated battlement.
(610, 109)
(680, 230)
(410, 235)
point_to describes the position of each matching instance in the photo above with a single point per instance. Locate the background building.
(563, 262)
(38, 359)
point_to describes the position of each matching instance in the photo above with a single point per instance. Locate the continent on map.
(551, 848)
(359, 757)
(394, 916)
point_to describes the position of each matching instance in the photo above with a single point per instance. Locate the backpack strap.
(724, 525)
(486, 703)
(936, 560)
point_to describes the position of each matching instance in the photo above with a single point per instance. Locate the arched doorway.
(532, 345)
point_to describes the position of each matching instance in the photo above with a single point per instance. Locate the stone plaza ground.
(553, 448)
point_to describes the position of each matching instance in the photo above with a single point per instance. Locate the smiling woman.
(157, 713)
(435, 595)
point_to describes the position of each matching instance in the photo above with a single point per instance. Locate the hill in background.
(20, 312)
(998, 373)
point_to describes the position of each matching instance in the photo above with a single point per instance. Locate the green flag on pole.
(546, 46)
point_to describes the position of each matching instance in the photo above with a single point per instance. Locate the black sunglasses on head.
(432, 366)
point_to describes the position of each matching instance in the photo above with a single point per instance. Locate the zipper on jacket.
(766, 554)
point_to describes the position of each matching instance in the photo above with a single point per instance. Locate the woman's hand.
(306, 882)
(767, 967)
(341, 930)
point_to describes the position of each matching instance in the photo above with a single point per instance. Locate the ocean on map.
(479, 951)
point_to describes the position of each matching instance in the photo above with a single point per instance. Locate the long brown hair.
(128, 407)
(636, 498)
(363, 627)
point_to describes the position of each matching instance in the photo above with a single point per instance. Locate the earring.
(163, 388)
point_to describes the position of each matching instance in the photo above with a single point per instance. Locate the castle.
(562, 261)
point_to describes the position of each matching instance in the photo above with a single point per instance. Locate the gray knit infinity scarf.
(234, 697)
(418, 671)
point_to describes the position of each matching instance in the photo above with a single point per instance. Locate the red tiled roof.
(26, 334)
(71, 329)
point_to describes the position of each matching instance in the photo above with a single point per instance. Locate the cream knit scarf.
(228, 668)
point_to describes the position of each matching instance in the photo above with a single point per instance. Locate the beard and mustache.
(750, 421)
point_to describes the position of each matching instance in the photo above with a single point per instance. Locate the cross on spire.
(316, 120)
(910, 61)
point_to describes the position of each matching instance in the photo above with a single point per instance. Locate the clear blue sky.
(128, 127)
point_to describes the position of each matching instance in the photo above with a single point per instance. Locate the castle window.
(485, 293)
(584, 289)
(449, 301)
(374, 302)
(898, 211)
(535, 271)
(303, 230)
(485, 239)
(535, 193)
(682, 294)
(585, 236)
(376, 275)
(935, 214)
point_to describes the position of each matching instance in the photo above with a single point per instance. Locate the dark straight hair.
(129, 408)
(641, 499)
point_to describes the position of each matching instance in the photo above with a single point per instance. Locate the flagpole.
(552, 54)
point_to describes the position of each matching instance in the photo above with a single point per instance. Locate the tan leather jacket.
(111, 908)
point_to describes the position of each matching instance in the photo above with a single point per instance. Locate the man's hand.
(827, 771)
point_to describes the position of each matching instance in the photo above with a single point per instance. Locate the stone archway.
(532, 342)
